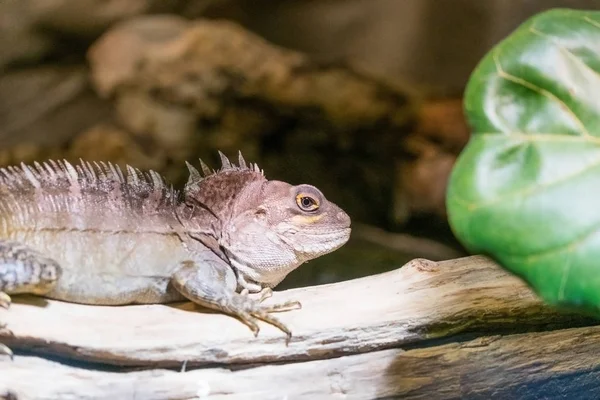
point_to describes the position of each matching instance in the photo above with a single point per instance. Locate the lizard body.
(90, 234)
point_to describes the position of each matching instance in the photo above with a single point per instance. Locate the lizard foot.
(249, 311)
(264, 294)
(5, 300)
(6, 351)
(23, 270)
(5, 303)
(206, 286)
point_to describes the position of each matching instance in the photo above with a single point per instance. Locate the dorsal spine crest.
(226, 166)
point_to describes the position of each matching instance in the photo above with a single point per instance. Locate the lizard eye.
(307, 202)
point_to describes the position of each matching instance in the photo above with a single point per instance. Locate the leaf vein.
(543, 137)
(569, 246)
(591, 21)
(565, 276)
(543, 92)
(566, 51)
(531, 190)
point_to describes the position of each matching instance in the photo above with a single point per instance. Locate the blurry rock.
(422, 181)
(26, 152)
(106, 142)
(223, 87)
(220, 9)
(172, 129)
(429, 155)
(443, 121)
(208, 64)
(431, 44)
(87, 17)
(103, 142)
(20, 42)
(47, 105)
(114, 58)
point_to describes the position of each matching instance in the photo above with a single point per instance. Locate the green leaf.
(526, 189)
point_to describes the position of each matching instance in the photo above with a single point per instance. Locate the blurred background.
(361, 98)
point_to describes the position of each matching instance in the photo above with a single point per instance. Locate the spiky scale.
(225, 163)
(241, 161)
(132, 175)
(157, 180)
(117, 172)
(205, 169)
(30, 175)
(71, 173)
(195, 176)
(89, 171)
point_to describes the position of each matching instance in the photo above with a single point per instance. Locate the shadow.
(493, 367)
(191, 306)
(29, 300)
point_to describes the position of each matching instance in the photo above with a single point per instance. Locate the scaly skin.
(23, 271)
(88, 234)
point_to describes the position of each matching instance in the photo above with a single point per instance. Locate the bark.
(418, 302)
(393, 334)
(561, 364)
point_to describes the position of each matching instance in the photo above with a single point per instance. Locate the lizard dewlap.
(89, 233)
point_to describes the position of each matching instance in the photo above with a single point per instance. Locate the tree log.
(561, 364)
(406, 324)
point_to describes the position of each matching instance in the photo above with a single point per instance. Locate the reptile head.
(279, 227)
(268, 228)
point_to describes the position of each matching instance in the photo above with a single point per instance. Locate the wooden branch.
(524, 366)
(363, 319)
(422, 300)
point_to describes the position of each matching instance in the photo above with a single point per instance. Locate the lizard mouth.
(325, 242)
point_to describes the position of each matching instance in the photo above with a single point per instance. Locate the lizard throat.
(267, 273)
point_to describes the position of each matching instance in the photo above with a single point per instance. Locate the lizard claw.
(251, 310)
(192, 284)
(287, 306)
(5, 300)
(6, 351)
(264, 294)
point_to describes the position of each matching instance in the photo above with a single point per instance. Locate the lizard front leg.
(212, 284)
(24, 270)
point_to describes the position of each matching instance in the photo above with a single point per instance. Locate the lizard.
(89, 233)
